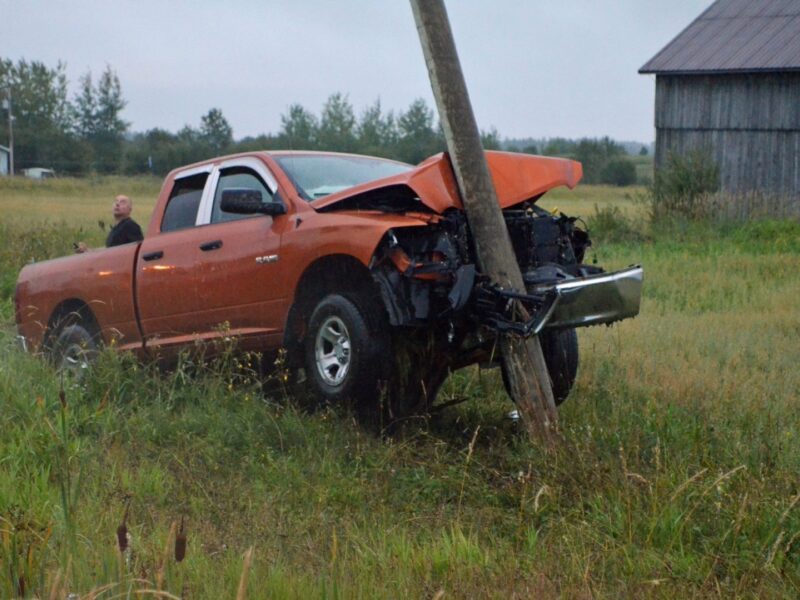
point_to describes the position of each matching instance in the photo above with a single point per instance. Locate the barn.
(729, 84)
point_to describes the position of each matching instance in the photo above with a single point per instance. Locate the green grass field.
(81, 203)
(677, 476)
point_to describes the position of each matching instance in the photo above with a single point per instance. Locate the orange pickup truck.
(362, 268)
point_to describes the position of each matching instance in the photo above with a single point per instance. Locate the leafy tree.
(532, 149)
(595, 154)
(490, 140)
(111, 129)
(337, 126)
(261, 142)
(190, 146)
(156, 151)
(418, 140)
(216, 131)
(41, 113)
(299, 128)
(110, 104)
(377, 133)
(85, 108)
(619, 171)
(644, 151)
(97, 111)
(417, 121)
(559, 147)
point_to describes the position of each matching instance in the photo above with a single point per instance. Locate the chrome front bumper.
(596, 299)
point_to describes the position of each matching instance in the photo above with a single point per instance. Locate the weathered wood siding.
(749, 122)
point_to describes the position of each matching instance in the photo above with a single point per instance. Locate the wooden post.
(523, 358)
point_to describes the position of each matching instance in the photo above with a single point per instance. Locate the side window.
(181, 211)
(237, 177)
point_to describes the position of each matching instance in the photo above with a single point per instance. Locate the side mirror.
(246, 201)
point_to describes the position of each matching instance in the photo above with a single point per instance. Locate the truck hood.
(517, 177)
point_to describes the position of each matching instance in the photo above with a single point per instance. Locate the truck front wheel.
(347, 351)
(560, 349)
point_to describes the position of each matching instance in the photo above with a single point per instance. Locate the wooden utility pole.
(523, 358)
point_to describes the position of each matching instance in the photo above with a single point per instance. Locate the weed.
(685, 184)
(609, 224)
(180, 542)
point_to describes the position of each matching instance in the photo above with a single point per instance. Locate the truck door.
(240, 276)
(166, 283)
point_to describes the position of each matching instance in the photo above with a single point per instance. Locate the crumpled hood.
(517, 177)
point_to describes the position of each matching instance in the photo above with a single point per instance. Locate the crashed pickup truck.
(362, 269)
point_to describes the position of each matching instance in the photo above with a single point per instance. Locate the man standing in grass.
(125, 229)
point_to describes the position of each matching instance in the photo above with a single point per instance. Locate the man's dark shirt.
(124, 232)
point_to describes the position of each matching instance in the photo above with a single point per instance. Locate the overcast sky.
(533, 68)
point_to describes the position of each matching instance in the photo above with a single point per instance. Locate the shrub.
(609, 224)
(595, 155)
(684, 186)
(619, 171)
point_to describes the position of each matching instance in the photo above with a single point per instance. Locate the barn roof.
(735, 36)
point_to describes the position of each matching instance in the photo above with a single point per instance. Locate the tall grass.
(677, 475)
(24, 243)
(76, 202)
(688, 187)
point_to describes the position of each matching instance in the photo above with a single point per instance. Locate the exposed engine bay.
(430, 273)
(429, 282)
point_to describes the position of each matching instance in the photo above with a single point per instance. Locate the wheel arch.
(70, 312)
(339, 273)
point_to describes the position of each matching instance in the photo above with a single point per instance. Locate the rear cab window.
(183, 203)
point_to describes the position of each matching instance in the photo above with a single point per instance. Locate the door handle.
(215, 245)
(153, 255)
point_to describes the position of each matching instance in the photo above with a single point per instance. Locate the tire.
(74, 350)
(560, 349)
(347, 352)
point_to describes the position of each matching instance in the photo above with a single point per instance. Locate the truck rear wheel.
(74, 350)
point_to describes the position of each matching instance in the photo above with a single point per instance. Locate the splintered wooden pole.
(523, 358)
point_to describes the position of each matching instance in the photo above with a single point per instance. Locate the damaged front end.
(428, 276)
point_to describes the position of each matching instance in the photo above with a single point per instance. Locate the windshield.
(316, 176)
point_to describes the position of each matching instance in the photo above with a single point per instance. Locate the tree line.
(603, 159)
(86, 133)
(409, 136)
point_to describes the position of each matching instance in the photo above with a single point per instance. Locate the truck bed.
(102, 279)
